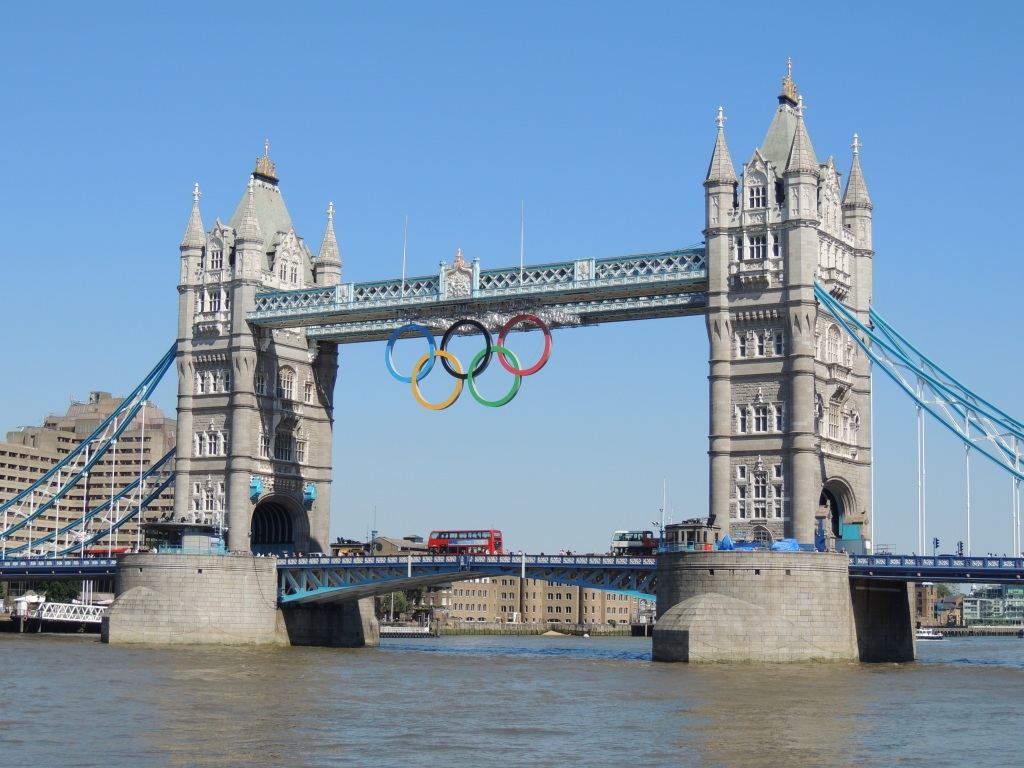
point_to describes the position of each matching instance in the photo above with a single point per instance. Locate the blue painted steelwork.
(327, 579)
(943, 568)
(584, 291)
(104, 436)
(157, 470)
(976, 422)
(57, 568)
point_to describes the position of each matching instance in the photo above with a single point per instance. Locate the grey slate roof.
(194, 237)
(856, 189)
(329, 254)
(801, 154)
(721, 168)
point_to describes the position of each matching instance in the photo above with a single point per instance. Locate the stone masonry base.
(771, 606)
(167, 599)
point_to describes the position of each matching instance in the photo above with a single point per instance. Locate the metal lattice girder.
(58, 568)
(941, 568)
(580, 292)
(85, 614)
(329, 579)
(975, 421)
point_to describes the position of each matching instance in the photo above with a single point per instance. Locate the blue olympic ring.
(389, 352)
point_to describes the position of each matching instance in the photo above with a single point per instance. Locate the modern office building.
(30, 452)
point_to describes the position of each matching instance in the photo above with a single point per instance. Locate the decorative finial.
(800, 105)
(264, 167)
(856, 145)
(330, 211)
(252, 184)
(196, 193)
(721, 119)
(458, 258)
(788, 86)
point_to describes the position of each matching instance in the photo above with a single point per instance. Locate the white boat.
(927, 633)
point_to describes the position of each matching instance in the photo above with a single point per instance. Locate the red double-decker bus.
(465, 543)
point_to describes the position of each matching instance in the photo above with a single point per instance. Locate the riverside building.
(30, 452)
(512, 599)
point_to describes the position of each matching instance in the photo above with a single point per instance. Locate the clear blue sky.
(600, 117)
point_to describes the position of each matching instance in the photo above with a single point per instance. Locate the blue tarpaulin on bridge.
(786, 545)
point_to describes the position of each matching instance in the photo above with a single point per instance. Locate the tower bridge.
(783, 280)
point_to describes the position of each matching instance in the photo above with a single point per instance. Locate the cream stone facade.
(255, 408)
(533, 601)
(790, 392)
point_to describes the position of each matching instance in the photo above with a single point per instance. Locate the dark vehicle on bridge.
(465, 543)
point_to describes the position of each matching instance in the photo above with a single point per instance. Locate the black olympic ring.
(482, 366)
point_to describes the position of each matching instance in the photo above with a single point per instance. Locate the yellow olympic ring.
(415, 384)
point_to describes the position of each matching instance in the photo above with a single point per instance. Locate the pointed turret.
(328, 261)
(193, 244)
(194, 234)
(856, 190)
(721, 168)
(801, 153)
(249, 230)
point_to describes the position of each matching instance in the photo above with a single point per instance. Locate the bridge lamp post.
(31, 514)
(661, 531)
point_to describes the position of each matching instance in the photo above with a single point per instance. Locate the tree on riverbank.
(58, 591)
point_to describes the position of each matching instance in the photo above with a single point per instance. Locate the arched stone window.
(286, 384)
(833, 347)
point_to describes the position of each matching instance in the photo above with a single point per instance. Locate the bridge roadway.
(318, 580)
(328, 579)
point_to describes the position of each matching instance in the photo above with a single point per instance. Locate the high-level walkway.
(571, 293)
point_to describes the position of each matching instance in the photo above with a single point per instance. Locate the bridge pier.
(884, 614)
(774, 606)
(169, 599)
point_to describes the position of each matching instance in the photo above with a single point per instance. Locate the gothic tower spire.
(328, 261)
(195, 236)
(856, 190)
(721, 168)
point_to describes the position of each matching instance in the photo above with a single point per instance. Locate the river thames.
(472, 701)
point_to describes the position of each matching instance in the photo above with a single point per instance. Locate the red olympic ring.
(547, 345)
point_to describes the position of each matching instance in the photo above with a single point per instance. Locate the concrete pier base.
(770, 606)
(170, 599)
(884, 614)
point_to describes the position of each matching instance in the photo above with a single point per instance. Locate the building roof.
(194, 232)
(721, 167)
(856, 190)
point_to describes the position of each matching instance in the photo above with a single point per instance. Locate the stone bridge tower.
(790, 449)
(255, 408)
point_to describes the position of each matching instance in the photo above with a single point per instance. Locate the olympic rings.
(515, 384)
(547, 345)
(487, 351)
(414, 379)
(389, 352)
(478, 365)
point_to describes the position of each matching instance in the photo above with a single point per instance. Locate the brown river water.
(488, 701)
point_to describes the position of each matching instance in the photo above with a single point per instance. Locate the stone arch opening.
(761, 534)
(273, 528)
(834, 506)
